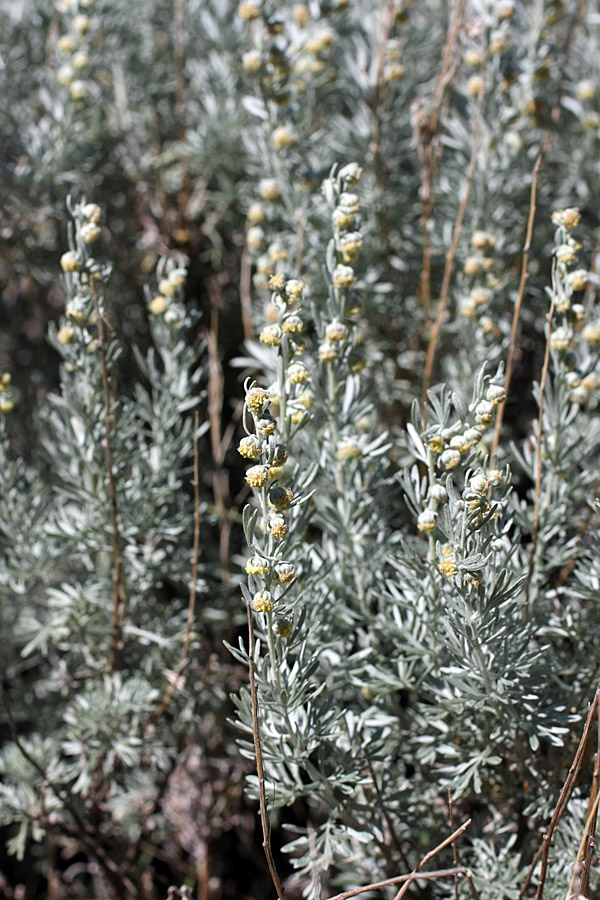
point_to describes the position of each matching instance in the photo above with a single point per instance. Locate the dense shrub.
(301, 310)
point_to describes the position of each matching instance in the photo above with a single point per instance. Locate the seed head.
(336, 331)
(263, 602)
(271, 335)
(278, 527)
(283, 627)
(256, 398)
(256, 565)
(257, 476)
(280, 455)
(284, 573)
(484, 413)
(249, 447)
(298, 373)
(449, 459)
(343, 276)
(427, 521)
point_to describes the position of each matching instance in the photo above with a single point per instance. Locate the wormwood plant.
(102, 536)
(405, 193)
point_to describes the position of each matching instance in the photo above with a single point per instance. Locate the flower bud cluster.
(481, 280)
(75, 51)
(268, 571)
(167, 303)
(453, 447)
(7, 396)
(575, 327)
(82, 275)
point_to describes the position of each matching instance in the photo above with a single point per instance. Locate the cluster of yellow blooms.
(74, 46)
(575, 334)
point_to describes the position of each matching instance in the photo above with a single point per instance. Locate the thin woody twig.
(413, 876)
(259, 764)
(429, 856)
(118, 590)
(519, 302)
(454, 850)
(561, 804)
(189, 625)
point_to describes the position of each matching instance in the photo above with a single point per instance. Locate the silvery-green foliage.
(424, 598)
(88, 690)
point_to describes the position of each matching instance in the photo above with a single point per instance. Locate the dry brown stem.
(118, 590)
(409, 879)
(430, 855)
(561, 805)
(429, 148)
(519, 302)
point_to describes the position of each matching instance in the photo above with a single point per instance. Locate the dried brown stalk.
(449, 265)
(588, 842)
(561, 805)
(429, 149)
(429, 856)
(189, 625)
(454, 850)
(118, 590)
(409, 879)
(259, 764)
(519, 302)
(220, 442)
(395, 839)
